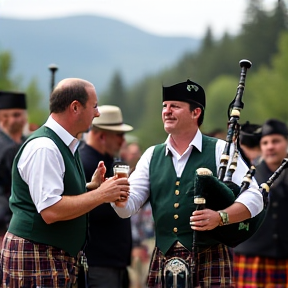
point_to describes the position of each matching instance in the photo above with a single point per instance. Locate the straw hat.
(111, 119)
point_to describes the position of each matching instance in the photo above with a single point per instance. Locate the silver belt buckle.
(176, 273)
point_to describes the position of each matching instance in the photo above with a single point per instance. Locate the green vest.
(172, 198)
(27, 223)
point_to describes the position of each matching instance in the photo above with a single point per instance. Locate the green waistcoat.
(172, 198)
(27, 223)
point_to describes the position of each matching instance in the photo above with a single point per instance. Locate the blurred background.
(129, 49)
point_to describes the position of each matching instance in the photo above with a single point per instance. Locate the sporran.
(176, 273)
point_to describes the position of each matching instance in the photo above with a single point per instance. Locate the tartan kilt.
(257, 272)
(26, 264)
(213, 266)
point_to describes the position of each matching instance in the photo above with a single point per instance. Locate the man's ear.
(102, 135)
(196, 112)
(74, 106)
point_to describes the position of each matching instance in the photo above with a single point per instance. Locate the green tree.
(260, 33)
(136, 102)
(151, 130)
(6, 82)
(215, 67)
(37, 112)
(116, 92)
(218, 96)
(269, 87)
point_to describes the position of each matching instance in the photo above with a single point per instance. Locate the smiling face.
(13, 120)
(274, 149)
(178, 118)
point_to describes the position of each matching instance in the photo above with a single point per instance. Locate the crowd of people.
(68, 221)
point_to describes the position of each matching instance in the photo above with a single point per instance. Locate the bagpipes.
(220, 192)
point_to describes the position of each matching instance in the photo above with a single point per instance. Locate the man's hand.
(122, 201)
(205, 219)
(98, 177)
(73, 206)
(113, 189)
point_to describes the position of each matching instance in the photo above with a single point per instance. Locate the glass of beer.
(121, 170)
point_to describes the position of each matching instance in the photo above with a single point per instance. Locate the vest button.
(176, 205)
(175, 230)
(177, 183)
(176, 216)
(177, 192)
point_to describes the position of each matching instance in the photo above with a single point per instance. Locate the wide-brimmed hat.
(111, 119)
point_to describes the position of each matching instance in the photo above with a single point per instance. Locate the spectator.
(142, 224)
(164, 175)
(262, 260)
(13, 118)
(249, 139)
(108, 255)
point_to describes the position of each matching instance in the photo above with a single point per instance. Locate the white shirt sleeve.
(41, 166)
(140, 184)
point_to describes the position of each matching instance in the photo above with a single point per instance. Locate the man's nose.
(167, 110)
(270, 146)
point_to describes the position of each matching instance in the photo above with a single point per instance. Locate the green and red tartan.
(213, 266)
(257, 272)
(26, 264)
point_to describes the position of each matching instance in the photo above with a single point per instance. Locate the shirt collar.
(196, 142)
(64, 135)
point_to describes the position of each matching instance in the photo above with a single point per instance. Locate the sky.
(189, 18)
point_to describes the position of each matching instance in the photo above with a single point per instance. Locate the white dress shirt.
(41, 166)
(140, 183)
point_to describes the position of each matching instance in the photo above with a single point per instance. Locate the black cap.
(186, 92)
(274, 126)
(12, 100)
(250, 134)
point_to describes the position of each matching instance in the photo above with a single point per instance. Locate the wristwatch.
(224, 218)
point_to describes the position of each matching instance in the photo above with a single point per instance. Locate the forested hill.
(88, 47)
(214, 64)
(263, 40)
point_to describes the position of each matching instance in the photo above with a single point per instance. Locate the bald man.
(49, 199)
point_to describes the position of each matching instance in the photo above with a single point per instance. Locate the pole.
(53, 68)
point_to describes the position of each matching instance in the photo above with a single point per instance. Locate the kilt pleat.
(29, 265)
(213, 266)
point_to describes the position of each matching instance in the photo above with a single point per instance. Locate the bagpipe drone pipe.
(220, 195)
(220, 192)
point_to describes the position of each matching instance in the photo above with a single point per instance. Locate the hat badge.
(191, 87)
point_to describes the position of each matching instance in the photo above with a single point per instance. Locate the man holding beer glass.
(164, 175)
